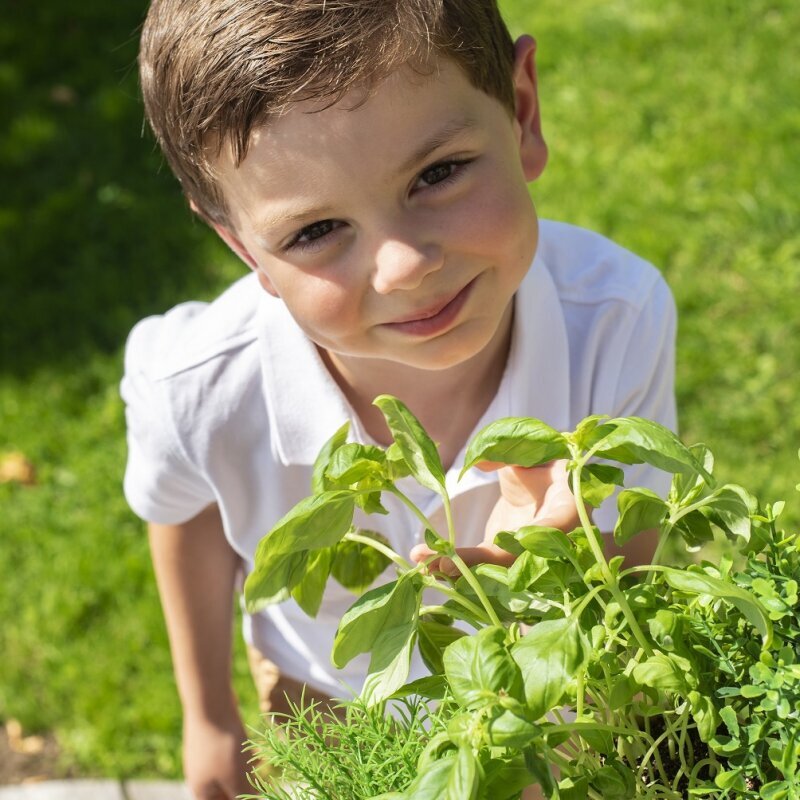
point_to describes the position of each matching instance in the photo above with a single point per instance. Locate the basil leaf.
(545, 542)
(522, 441)
(396, 602)
(273, 578)
(665, 671)
(434, 637)
(390, 662)
(418, 450)
(318, 482)
(506, 729)
(550, 656)
(693, 582)
(634, 440)
(354, 462)
(315, 522)
(479, 667)
(525, 570)
(355, 565)
(308, 593)
(695, 529)
(639, 510)
(598, 482)
(450, 778)
(687, 486)
(729, 508)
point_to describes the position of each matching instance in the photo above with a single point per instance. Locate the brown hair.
(213, 70)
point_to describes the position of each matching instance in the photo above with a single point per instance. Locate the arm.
(195, 570)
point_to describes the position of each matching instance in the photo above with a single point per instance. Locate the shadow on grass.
(94, 233)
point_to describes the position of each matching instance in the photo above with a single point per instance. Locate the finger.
(485, 554)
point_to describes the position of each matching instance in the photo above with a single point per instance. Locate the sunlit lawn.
(673, 128)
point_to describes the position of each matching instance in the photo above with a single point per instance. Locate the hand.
(528, 496)
(214, 766)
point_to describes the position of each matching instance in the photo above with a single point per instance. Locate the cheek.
(321, 305)
(496, 222)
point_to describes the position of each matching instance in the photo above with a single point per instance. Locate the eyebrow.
(441, 137)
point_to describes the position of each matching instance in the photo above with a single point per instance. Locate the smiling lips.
(434, 319)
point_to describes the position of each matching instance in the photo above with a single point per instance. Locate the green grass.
(672, 129)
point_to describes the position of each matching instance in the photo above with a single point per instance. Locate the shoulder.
(191, 334)
(590, 270)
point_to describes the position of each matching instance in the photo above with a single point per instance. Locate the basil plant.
(567, 670)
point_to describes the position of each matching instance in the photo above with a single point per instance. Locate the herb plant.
(566, 669)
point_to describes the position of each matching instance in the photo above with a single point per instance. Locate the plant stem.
(456, 597)
(476, 587)
(381, 548)
(597, 552)
(469, 577)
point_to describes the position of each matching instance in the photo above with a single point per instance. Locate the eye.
(310, 237)
(442, 173)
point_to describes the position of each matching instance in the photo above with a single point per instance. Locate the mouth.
(435, 318)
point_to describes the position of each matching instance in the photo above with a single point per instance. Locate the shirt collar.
(305, 405)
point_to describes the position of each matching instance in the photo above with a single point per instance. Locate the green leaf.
(509, 543)
(318, 482)
(390, 662)
(639, 510)
(695, 529)
(634, 440)
(775, 790)
(545, 542)
(523, 441)
(395, 603)
(450, 778)
(588, 430)
(355, 565)
(396, 466)
(353, 463)
(612, 783)
(431, 687)
(506, 729)
(418, 450)
(434, 638)
(525, 570)
(550, 656)
(308, 593)
(598, 482)
(573, 788)
(730, 779)
(694, 582)
(729, 508)
(705, 716)
(687, 486)
(479, 667)
(315, 522)
(665, 671)
(273, 579)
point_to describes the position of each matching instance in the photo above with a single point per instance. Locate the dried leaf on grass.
(19, 743)
(16, 468)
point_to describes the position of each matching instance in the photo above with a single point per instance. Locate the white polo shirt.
(229, 403)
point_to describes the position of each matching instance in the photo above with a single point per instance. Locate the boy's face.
(398, 229)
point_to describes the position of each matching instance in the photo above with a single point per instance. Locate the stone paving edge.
(96, 790)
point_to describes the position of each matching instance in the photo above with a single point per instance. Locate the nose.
(403, 263)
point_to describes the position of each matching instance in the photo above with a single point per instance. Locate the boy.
(369, 162)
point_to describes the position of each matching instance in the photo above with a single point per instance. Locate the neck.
(448, 403)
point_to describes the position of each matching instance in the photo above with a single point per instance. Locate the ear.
(239, 248)
(532, 147)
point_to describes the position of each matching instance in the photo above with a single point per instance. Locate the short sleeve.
(161, 485)
(646, 388)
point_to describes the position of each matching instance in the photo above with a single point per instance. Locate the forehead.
(308, 151)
